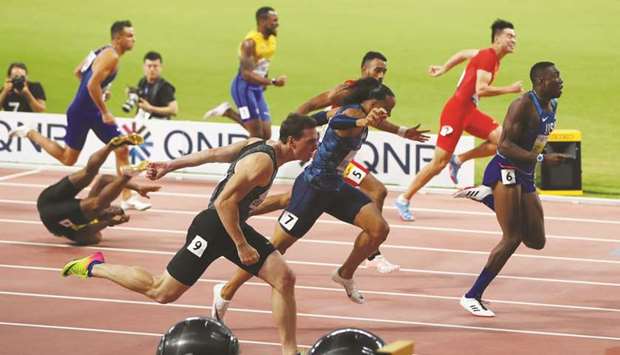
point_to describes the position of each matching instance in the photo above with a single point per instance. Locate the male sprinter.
(88, 109)
(510, 176)
(374, 65)
(320, 188)
(249, 85)
(222, 230)
(460, 113)
(81, 220)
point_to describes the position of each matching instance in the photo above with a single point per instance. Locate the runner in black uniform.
(81, 220)
(221, 229)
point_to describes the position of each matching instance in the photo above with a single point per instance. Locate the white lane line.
(116, 331)
(333, 242)
(329, 265)
(475, 232)
(369, 292)
(315, 315)
(387, 206)
(16, 175)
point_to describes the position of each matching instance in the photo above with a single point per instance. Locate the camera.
(18, 82)
(133, 95)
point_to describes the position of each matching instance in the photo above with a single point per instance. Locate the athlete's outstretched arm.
(225, 154)
(410, 133)
(250, 172)
(456, 59)
(272, 203)
(316, 103)
(333, 97)
(484, 88)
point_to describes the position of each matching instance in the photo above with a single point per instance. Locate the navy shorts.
(493, 174)
(80, 121)
(250, 100)
(308, 203)
(206, 241)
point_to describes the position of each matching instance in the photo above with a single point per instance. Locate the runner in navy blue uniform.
(321, 188)
(510, 177)
(88, 109)
(221, 229)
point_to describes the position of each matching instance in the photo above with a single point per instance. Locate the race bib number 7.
(509, 177)
(354, 173)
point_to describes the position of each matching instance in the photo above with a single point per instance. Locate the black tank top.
(258, 194)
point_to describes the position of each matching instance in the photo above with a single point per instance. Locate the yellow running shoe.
(82, 267)
(136, 169)
(129, 139)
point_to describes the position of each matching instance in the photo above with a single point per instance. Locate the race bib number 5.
(354, 173)
(508, 177)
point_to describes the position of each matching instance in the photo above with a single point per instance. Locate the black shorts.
(59, 210)
(206, 241)
(308, 203)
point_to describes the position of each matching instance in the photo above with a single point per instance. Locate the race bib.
(197, 246)
(288, 220)
(244, 112)
(509, 177)
(354, 173)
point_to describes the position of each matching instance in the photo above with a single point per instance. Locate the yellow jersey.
(264, 49)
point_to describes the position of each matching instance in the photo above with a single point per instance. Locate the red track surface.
(561, 300)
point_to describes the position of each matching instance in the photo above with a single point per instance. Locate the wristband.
(401, 131)
(540, 158)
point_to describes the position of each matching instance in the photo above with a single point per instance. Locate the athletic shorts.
(250, 100)
(80, 121)
(503, 171)
(60, 210)
(308, 203)
(458, 116)
(206, 241)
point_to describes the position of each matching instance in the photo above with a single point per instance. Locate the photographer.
(20, 95)
(154, 95)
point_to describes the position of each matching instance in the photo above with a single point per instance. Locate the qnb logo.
(140, 152)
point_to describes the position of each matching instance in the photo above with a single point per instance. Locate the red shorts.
(458, 116)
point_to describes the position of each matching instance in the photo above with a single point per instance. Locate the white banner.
(394, 160)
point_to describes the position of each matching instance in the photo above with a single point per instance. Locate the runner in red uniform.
(461, 113)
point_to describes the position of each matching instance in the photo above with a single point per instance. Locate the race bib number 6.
(354, 173)
(509, 177)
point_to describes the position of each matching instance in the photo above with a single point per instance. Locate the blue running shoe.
(404, 211)
(454, 169)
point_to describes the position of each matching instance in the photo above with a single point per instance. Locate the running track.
(561, 300)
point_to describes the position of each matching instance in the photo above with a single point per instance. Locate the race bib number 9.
(508, 177)
(197, 246)
(354, 173)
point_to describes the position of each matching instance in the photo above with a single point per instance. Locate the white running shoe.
(402, 206)
(349, 286)
(133, 203)
(21, 131)
(476, 193)
(381, 264)
(217, 111)
(476, 307)
(220, 305)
